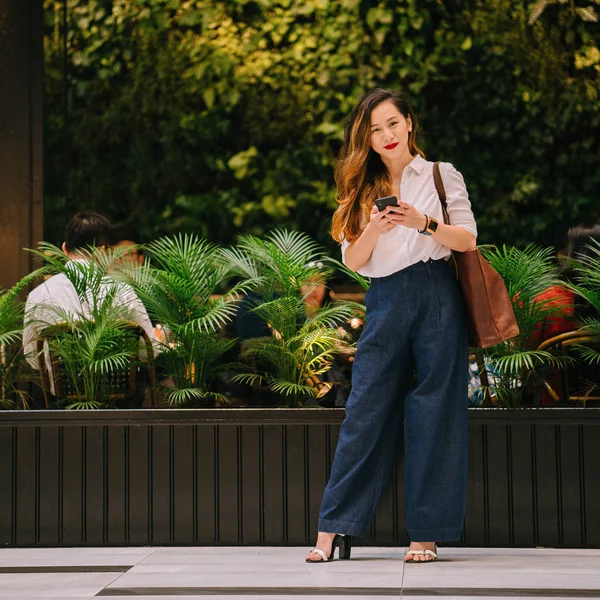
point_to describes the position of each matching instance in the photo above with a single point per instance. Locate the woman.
(415, 320)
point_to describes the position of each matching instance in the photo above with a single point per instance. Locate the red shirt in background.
(561, 322)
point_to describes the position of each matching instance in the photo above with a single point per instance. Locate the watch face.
(433, 225)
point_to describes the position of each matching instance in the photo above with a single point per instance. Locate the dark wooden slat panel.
(546, 479)
(297, 477)
(183, 484)
(206, 488)
(161, 484)
(384, 519)
(291, 416)
(49, 492)
(265, 467)
(72, 486)
(334, 436)
(117, 502)
(251, 498)
(318, 461)
(591, 453)
(26, 486)
(229, 501)
(571, 487)
(273, 484)
(139, 490)
(499, 501)
(524, 527)
(476, 514)
(95, 482)
(7, 476)
(401, 537)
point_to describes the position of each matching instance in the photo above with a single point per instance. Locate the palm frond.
(108, 364)
(333, 315)
(364, 282)
(289, 388)
(248, 378)
(515, 363)
(10, 337)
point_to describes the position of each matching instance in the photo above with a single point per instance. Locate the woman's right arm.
(359, 252)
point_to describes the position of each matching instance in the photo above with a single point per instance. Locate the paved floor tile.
(274, 573)
(54, 585)
(79, 556)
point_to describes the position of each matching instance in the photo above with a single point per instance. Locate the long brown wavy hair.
(360, 174)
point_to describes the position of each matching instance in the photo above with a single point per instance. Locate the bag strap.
(439, 186)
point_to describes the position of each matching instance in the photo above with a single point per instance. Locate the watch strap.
(424, 230)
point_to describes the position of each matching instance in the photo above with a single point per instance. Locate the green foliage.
(95, 340)
(517, 363)
(587, 285)
(13, 370)
(304, 342)
(177, 288)
(225, 116)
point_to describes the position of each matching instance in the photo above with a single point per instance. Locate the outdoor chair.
(570, 382)
(124, 385)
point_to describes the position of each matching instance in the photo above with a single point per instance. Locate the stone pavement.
(274, 573)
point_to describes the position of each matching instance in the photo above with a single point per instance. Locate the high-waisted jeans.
(415, 322)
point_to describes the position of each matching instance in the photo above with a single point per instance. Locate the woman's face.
(389, 130)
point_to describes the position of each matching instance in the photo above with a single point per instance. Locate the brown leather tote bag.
(490, 315)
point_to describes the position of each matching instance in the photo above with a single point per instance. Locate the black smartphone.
(381, 203)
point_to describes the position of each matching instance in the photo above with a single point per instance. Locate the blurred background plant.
(93, 347)
(224, 117)
(280, 281)
(179, 289)
(586, 283)
(301, 339)
(14, 374)
(516, 366)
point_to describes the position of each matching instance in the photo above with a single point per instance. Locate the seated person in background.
(570, 308)
(247, 323)
(130, 239)
(563, 300)
(85, 229)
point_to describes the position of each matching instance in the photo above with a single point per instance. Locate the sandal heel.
(345, 547)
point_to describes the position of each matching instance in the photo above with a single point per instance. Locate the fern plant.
(95, 340)
(13, 371)
(517, 363)
(302, 344)
(179, 288)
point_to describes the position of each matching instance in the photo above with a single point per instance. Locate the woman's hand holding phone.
(379, 219)
(406, 215)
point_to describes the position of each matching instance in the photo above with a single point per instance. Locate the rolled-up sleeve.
(457, 197)
(345, 244)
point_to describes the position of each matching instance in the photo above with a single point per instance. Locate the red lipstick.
(391, 146)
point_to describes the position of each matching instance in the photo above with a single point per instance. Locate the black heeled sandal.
(343, 542)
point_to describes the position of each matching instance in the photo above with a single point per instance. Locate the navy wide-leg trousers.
(415, 322)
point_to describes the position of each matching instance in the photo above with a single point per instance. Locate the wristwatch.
(430, 226)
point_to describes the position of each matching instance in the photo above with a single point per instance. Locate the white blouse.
(402, 247)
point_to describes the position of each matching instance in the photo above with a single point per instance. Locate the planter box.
(255, 477)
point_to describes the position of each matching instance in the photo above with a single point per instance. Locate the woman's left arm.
(454, 237)
(462, 234)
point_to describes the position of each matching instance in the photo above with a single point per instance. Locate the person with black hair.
(86, 230)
